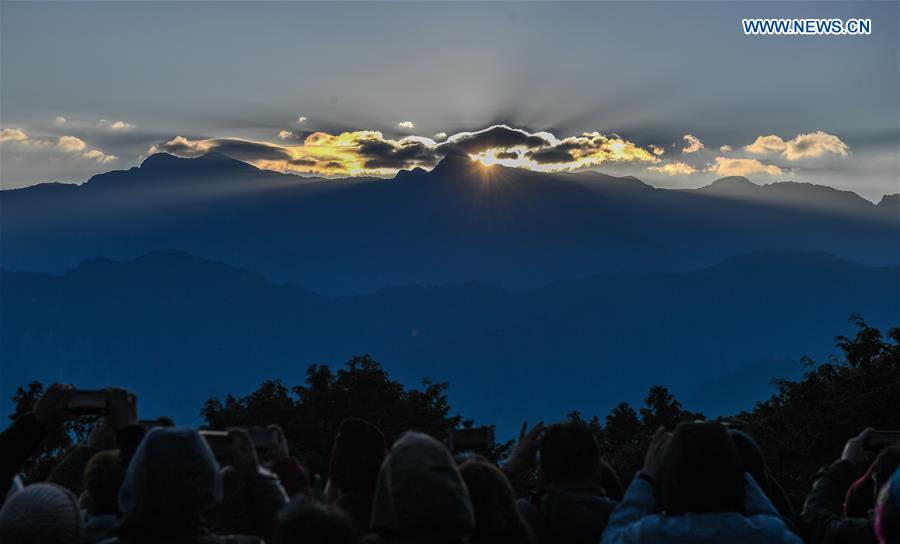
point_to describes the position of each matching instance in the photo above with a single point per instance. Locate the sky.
(671, 92)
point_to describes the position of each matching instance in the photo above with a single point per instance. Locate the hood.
(420, 490)
(574, 514)
(172, 479)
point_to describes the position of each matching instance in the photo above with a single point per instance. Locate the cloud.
(301, 120)
(674, 169)
(727, 166)
(70, 144)
(763, 145)
(285, 134)
(114, 125)
(13, 135)
(367, 152)
(802, 146)
(99, 156)
(814, 144)
(60, 121)
(693, 144)
(726, 149)
(657, 150)
(440, 136)
(408, 125)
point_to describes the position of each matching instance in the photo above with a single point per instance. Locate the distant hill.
(459, 222)
(180, 328)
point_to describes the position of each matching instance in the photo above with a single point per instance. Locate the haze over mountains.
(585, 287)
(585, 344)
(459, 222)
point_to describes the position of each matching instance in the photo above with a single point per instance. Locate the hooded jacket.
(637, 521)
(821, 515)
(420, 494)
(570, 514)
(172, 482)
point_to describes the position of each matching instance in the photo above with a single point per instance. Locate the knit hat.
(357, 455)
(41, 514)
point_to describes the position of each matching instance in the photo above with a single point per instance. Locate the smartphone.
(881, 439)
(220, 443)
(475, 440)
(87, 402)
(263, 439)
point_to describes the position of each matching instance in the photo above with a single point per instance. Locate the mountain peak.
(211, 160)
(890, 200)
(455, 160)
(730, 183)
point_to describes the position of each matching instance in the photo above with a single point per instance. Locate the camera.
(87, 402)
(473, 441)
(264, 441)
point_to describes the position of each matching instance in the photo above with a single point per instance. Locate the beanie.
(41, 514)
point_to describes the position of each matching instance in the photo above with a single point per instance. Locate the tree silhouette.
(310, 413)
(73, 431)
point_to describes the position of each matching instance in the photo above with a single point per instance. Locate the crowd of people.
(701, 482)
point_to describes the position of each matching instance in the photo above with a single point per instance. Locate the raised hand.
(656, 453)
(524, 454)
(122, 407)
(855, 448)
(244, 459)
(50, 408)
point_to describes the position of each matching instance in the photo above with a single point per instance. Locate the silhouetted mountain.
(790, 194)
(149, 322)
(459, 222)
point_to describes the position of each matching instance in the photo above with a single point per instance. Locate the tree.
(804, 425)
(311, 413)
(663, 410)
(73, 431)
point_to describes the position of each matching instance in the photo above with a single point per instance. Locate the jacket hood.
(420, 490)
(576, 511)
(172, 479)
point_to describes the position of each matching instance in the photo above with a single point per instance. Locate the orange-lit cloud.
(367, 152)
(693, 144)
(115, 125)
(814, 144)
(726, 166)
(71, 145)
(674, 169)
(13, 135)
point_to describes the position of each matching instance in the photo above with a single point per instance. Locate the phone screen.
(87, 402)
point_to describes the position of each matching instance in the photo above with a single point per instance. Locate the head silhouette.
(41, 514)
(356, 457)
(497, 518)
(569, 453)
(314, 523)
(172, 480)
(420, 493)
(863, 494)
(702, 471)
(101, 481)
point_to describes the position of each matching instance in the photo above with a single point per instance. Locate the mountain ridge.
(459, 222)
(456, 160)
(142, 322)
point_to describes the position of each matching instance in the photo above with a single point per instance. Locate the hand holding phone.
(52, 406)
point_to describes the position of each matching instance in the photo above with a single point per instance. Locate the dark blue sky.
(89, 87)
